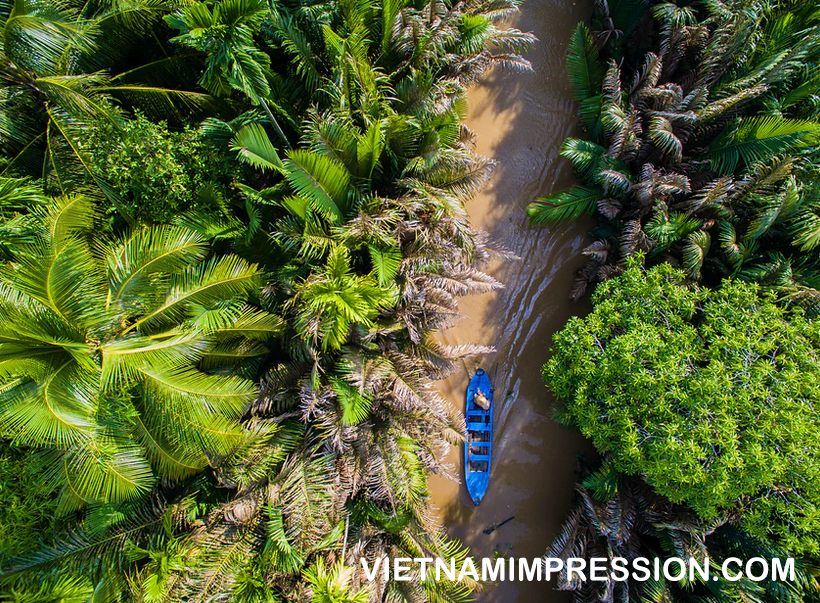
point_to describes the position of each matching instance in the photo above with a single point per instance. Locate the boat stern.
(477, 483)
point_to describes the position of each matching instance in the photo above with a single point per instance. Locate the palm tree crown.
(110, 351)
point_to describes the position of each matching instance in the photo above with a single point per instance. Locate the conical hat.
(481, 400)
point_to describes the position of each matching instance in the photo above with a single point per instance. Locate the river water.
(521, 121)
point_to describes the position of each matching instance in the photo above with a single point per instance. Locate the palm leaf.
(286, 557)
(583, 67)
(565, 206)
(355, 406)
(98, 470)
(122, 359)
(255, 148)
(770, 211)
(321, 180)
(57, 411)
(369, 150)
(386, 264)
(226, 354)
(159, 102)
(63, 128)
(240, 12)
(19, 195)
(78, 96)
(171, 461)
(297, 44)
(149, 251)
(201, 392)
(87, 548)
(668, 229)
(806, 231)
(694, 252)
(253, 324)
(663, 135)
(37, 36)
(759, 138)
(56, 279)
(585, 156)
(66, 216)
(220, 278)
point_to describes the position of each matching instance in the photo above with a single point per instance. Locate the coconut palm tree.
(112, 351)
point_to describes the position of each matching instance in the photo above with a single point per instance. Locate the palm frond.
(585, 156)
(757, 139)
(321, 180)
(583, 67)
(694, 252)
(386, 264)
(150, 251)
(255, 148)
(565, 206)
(220, 277)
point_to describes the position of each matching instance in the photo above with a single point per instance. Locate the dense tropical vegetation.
(701, 141)
(700, 403)
(230, 229)
(705, 393)
(624, 517)
(228, 232)
(692, 374)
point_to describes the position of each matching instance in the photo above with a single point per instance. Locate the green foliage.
(100, 353)
(386, 264)
(333, 585)
(701, 151)
(619, 516)
(703, 392)
(758, 139)
(564, 205)
(255, 148)
(586, 74)
(322, 181)
(347, 220)
(158, 173)
(695, 131)
(331, 301)
(67, 67)
(27, 511)
(54, 589)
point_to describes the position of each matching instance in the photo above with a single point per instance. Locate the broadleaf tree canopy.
(712, 395)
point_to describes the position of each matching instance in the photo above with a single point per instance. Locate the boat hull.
(478, 444)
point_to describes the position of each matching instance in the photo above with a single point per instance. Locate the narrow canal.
(521, 121)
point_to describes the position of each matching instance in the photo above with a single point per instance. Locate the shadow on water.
(521, 121)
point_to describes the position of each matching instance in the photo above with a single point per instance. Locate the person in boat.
(481, 400)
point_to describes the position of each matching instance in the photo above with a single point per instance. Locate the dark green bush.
(26, 513)
(159, 173)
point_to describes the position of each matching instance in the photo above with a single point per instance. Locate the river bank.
(520, 121)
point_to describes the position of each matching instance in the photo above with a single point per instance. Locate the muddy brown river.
(521, 121)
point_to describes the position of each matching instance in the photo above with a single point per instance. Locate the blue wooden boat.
(479, 443)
